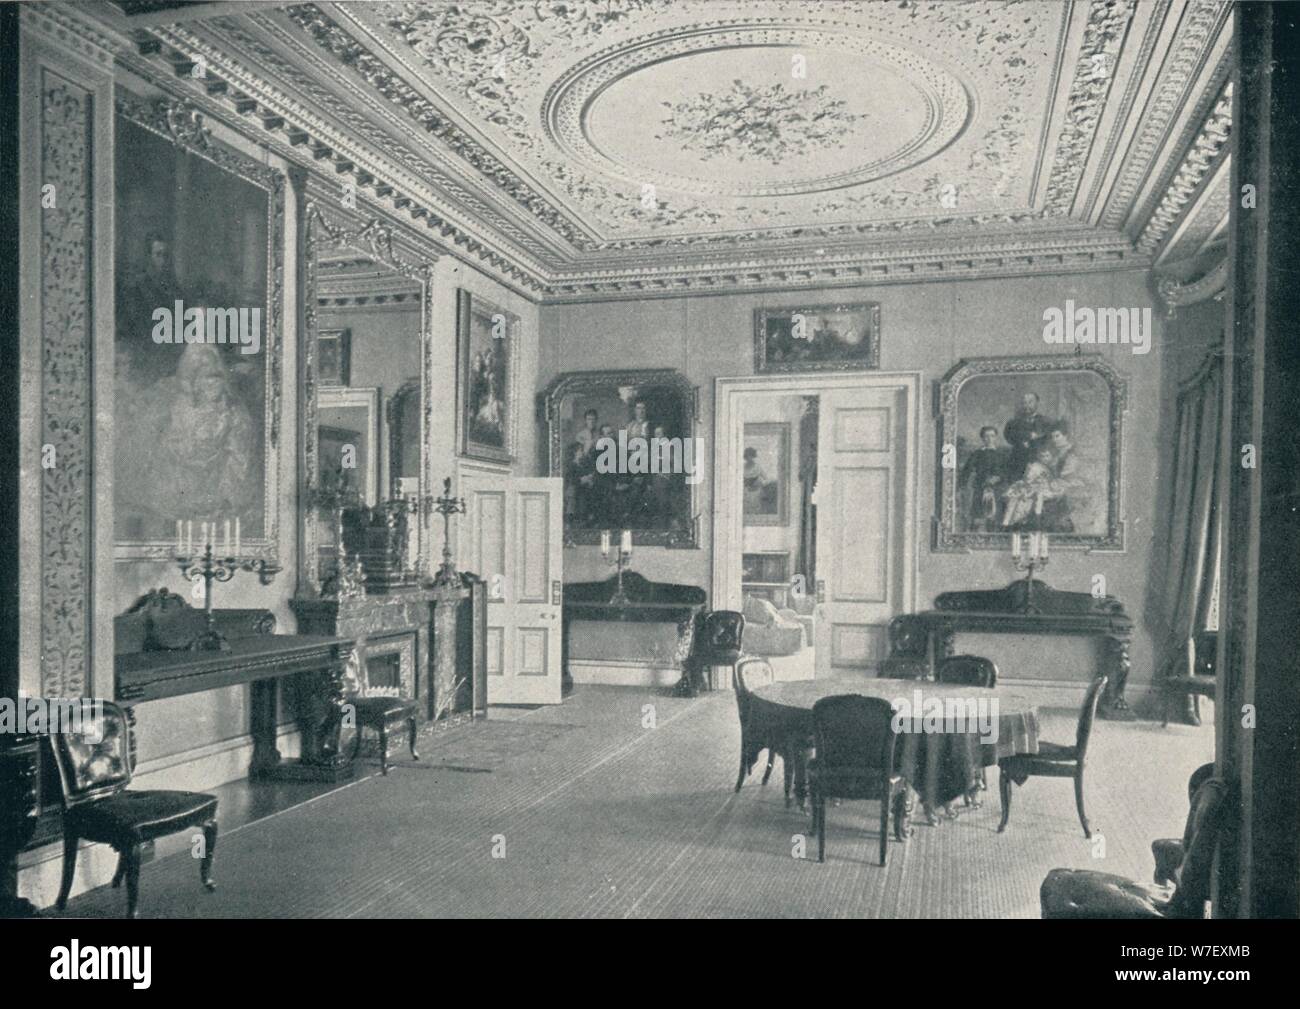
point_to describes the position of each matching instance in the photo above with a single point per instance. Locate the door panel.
(862, 524)
(513, 535)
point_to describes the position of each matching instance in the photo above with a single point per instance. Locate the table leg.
(1113, 706)
(266, 754)
(801, 777)
(903, 813)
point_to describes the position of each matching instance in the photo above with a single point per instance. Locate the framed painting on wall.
(1031, 444)
(199, 268)
(486, 339)
(334, 356)
(817, 338)
(624, 442)
(766, 474)
(348, 421)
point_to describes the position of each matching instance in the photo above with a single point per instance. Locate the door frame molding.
(728, 395)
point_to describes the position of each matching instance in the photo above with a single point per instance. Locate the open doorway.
(815, 516)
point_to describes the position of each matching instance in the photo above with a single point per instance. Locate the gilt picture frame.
(1031, 444)
(198, 224)
(660, 509)
(486, 342)
(839, 337)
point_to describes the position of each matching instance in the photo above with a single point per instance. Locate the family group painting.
(594, 416)
(1033, 445)
(197, 226)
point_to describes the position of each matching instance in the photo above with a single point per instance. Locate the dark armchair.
(1084, 893)
(1055, 760)
(908, 645)
(855, 742)
(94, 770)
(718, 641)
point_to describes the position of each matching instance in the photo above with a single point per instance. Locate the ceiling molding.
(481, 125)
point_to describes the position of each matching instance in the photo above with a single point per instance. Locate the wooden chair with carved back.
(95, 768)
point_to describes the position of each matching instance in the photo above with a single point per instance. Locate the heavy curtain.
(1193, 529)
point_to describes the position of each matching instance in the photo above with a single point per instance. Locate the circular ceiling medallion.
(749, 110)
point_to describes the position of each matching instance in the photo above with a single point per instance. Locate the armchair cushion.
(1083, 893)
(128, 818)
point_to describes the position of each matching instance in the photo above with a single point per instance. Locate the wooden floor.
(619, 803)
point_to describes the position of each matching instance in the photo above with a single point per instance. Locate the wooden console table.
(152, 663)
(646, 602)
(1033, 607)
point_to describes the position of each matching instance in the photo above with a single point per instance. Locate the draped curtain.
(806, 562)
(1194, 533)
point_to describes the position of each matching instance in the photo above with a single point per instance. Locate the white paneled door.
(863, 524)
(512, 537)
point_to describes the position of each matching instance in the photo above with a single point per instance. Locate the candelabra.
(218, 569)
(348, 578)
(447, 506)
(1035, 560)
(622, 559)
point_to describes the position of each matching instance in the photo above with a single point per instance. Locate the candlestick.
(1042, 544)
(227, 537)
(625, 546)
(237, 542)
(604, 543)
(1015, 545)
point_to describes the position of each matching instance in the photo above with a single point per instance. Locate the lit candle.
(604, 543)
(626, 545)
(203, 534)
(1033, 546)
(180, 540)
(236, 535)
(227, 536)
(1015, 545)
(189, 538)
(1191, 656)
(1042, 543)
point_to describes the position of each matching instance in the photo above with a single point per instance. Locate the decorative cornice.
(1103, 37)
(1202, 23)
(1211, 284)
(64, 26)
(1210, 143)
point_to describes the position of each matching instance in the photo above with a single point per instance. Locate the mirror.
(366, 368)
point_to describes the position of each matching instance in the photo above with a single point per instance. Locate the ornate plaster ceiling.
(630, 146)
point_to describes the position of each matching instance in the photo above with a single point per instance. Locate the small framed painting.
(334, 357)
(817, 338)
(766, 475)
(486, 337)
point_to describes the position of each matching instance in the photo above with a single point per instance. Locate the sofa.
(772, 631)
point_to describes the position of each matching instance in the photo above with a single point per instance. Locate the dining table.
(941, 759)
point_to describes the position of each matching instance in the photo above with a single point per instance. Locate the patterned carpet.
(606, 807)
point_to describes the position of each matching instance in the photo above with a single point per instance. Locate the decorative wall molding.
(66, 390)
(1211, 284)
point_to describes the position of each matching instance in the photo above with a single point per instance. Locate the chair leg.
(1078, 800)
(70, 842)
(121, 870)
(209, 852)
(133, 881)
(740, 777)
(819, 815)
(771, 759)
(411, 729)
(383, 748)
(356, 743)
(787, 773)
(1004, 786)
(884, 825)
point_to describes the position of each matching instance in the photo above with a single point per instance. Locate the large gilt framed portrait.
(1031, 444)
(486, 339)
(199, 268)
(625, 444)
